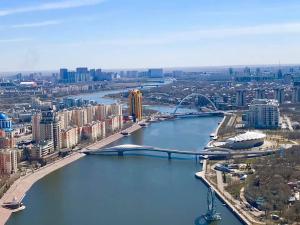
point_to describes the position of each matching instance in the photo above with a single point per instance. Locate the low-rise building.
(41, 150)
(246, 140)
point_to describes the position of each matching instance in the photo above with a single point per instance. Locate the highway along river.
(128, 190)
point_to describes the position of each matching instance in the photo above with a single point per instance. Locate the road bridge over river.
(212, 152)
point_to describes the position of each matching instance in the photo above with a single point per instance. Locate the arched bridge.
(216, 152)
(191, 95)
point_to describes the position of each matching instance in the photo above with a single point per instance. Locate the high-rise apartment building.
(263, 113)
(135, 106)
(36, 119)
(279, 95)
(56, 134)
(79, 117)
(260, 94)
(50, 128)
(296, 91)
(100, 112)
(241, 98)
(80, 75)
(7, 140)
(155, 73)
(90, 112)
(8, 161)
(70, 137)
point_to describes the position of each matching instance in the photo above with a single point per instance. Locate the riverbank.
(23, 184)
(234, 205)
(201, 175)
(113, 138)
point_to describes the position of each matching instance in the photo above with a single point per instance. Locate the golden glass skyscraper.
(135, 104)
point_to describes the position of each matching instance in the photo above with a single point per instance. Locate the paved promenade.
(225, 196)
(23, 184)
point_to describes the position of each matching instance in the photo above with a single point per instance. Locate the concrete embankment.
(219, 126)
(113, 138)
(23, 184)
(201, 175)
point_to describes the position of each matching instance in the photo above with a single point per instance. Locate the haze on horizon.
(47, 35)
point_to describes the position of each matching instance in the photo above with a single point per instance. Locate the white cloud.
(50, 6)
(37, 24)
(11, 40)
(198, 34)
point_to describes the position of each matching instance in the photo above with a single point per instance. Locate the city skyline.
(138, 34)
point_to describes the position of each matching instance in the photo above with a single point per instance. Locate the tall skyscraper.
(155, 73)
(260, 93)
(56, 134)
(50, 128)
(36, 119)
(135, 105)
(63, 75)
(296, 91)
(8, 161)
(241, 98)
(279, 95)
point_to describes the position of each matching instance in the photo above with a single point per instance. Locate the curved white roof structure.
(248, 136)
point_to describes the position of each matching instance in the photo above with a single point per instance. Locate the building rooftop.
(265, 102)
(249, 135)
(3, 116)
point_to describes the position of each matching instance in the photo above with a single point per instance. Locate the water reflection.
(202, 221)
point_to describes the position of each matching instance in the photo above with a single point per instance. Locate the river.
(99, 98)
(129, 190)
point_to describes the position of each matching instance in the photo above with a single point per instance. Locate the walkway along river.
(129, 190)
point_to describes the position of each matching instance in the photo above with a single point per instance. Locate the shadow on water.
(202, 221)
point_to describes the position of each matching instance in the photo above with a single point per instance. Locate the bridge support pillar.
(120, 153)
(169, 155)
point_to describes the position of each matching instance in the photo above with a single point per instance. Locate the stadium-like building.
(247, 140)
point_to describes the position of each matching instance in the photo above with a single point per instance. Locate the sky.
(116, 34)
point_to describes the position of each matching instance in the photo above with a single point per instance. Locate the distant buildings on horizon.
(83, 74)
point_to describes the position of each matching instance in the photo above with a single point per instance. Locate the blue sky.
(111, 34)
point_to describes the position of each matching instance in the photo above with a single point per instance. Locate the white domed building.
(247, 140)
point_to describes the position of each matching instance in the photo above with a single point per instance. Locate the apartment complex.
(8, 161)
(263, 113)
(64, 129)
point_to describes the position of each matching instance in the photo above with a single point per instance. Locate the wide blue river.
(129, 190)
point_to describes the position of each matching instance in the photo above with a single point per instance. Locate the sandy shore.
(23, 184)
